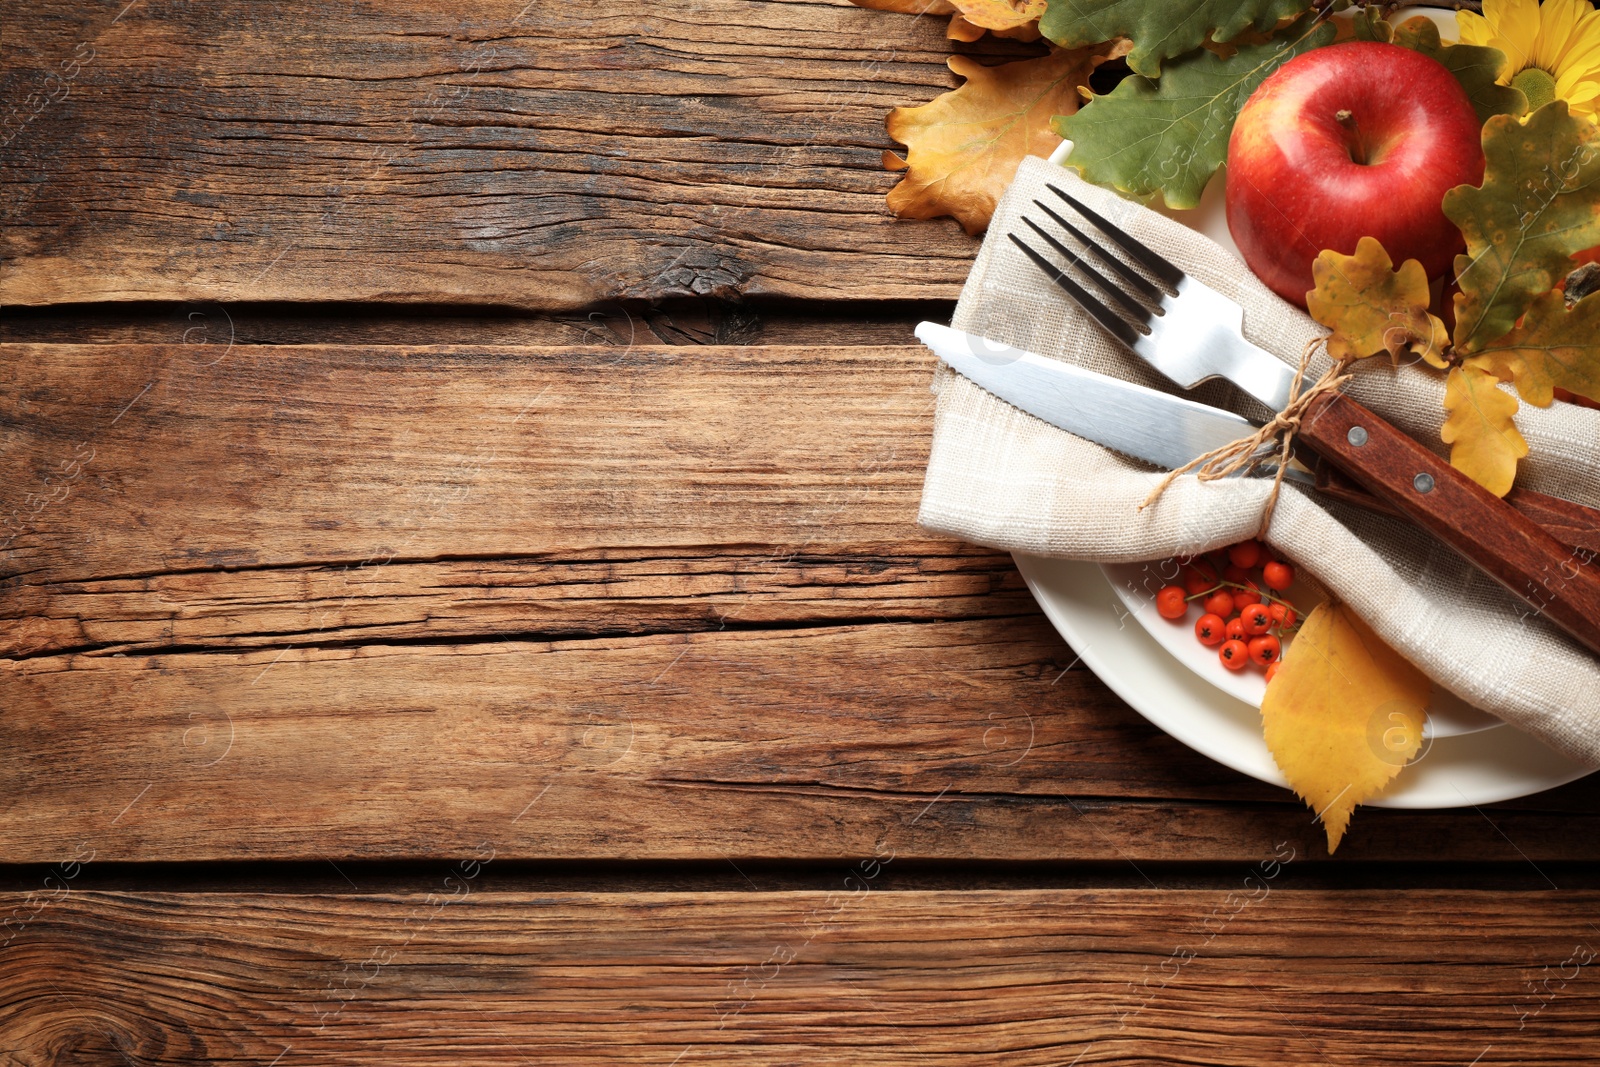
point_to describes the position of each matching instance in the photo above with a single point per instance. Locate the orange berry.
(1234, 655)
(1283, 615)
(1199, 577)
(1255, 619)
(1219, 603)
(1272, 672)
(1172, 602)
(1210, 630)
(1245, 554)
(1265, 650)
(1234, 630)
(1277, 575)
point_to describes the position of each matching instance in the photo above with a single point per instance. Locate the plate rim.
(1126, 687)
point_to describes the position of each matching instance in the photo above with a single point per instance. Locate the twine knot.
(1246, 453)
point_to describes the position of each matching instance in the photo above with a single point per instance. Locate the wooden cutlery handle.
(1557, 582)
(1572, 524)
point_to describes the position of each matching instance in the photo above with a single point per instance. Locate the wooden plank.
(601, 593)
(1257, 976)
(307, 601)
(539, 155)
(963, 740)
(614, 323)
(140, 460)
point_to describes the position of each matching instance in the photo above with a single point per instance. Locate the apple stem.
(1358, 151)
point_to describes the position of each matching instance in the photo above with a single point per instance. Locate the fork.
(1184, 328)
(1191, 333)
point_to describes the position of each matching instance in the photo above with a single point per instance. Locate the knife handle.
(1555, 581)
(1572, 524)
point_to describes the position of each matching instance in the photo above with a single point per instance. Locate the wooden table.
(462, 600)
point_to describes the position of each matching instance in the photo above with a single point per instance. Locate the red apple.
(1352, 140)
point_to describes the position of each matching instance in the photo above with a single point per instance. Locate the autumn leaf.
(963, 147)
(1484, 442)
(909, 7)
(1170, 136)
(1002, 14)
(1343, 714)
(962, 30)
(1161, 29)
(1372, 308)
(1539, 204)
(1553, 349)
(1476, 67)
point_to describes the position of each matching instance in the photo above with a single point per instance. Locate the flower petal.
(1559, 22)
(1473, 28)
(1516, 26)
(1583, 52)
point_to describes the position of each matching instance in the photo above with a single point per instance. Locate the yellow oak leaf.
(1372, 308)
(1553, 349)
(963, 147)
(962, 30)
(1000, 14)
(909, 7)
(1343, 714)
(1484, 442)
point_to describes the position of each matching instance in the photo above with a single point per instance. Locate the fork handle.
(1572, 524)
(1555, 581)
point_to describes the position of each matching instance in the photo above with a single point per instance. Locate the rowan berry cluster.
(1243, 617)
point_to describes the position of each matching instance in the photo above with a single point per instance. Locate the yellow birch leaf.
(1372, 308)
(963, 147)
(1553, 349)
(1343, 714)
(1484, 442)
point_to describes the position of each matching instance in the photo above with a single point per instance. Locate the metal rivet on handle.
(1423, 483)
(1357, 436)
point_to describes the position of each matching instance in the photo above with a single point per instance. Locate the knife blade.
(1137, 421)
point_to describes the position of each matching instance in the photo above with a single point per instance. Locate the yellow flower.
(1552, 51)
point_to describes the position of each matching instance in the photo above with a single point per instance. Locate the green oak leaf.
(1475, 67)
(1368, 24)
(1171, 135)
(1553, 349)
(1160, 29)
(1538, 205)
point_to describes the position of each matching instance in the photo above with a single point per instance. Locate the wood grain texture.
(1573, 525)
(296, 602)
(539, 155)
(698, 321)
(966, 740)
(1553, 581)
(141, 460)
(1258, 976)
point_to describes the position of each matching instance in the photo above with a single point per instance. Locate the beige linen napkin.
(1000, 477)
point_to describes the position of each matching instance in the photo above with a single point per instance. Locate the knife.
(1169, 430)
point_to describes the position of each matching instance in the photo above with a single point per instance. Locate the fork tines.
(1134, 320)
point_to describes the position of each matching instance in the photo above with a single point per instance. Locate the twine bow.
(1245, 453)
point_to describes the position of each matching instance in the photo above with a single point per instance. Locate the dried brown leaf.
(963, 147)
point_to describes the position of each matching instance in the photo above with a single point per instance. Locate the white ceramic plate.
(1176, 683)
(1135, 585)
(1482, 767)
